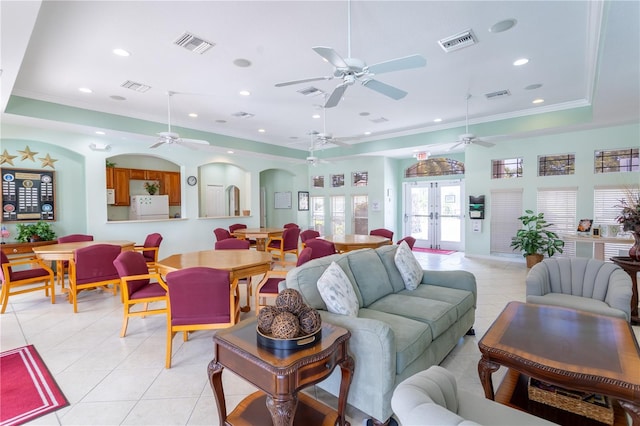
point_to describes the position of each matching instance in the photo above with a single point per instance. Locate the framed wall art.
(317, 181)
(282, 200)
(303, 200)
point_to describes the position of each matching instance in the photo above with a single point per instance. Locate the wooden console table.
(280, 375)
(631, 267)
(17, 249)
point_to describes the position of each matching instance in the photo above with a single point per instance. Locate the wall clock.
(192, 180)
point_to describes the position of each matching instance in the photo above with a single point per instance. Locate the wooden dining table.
(345, 243)
(261, 235)
(239, 263)
(64, 251)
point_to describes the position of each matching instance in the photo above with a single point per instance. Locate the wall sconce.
(100, 147)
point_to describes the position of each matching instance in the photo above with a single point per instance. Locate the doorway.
(433, 214)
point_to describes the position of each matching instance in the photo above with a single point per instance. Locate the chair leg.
(170, 335)
(4, 295)
(125, 321)
(52, 286)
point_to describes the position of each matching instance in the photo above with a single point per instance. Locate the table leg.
(346, 367)
(282, 410)
(633, 410)
(635, 319)
(485, 369)
(214, 371)
(261, 243)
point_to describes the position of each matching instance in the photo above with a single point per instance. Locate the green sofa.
(397, 332)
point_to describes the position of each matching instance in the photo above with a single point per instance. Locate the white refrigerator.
(149, 207)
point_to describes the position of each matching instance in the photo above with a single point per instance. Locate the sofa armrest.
(461, 280)
(373, 348)
(538, 281)
(619, 292)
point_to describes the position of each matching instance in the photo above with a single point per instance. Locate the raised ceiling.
(584, 54)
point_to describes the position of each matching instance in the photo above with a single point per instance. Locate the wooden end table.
(565, 347)
(280, 375)
(631, 267)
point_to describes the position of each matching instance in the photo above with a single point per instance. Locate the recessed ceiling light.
(501, 26)
(244, 93)
(118, 98)
(367, 133)
(537, 101)
(437, 120)
(315, 116)
(85, 90)
(100, 132)
(364, 114)
(221, 121)
(261, 130)
(229, 152)
(193, 115)
(521, 61)
(121, 52)
(243, 63)
(533, 86)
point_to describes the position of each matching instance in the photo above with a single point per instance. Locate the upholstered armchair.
(62, 266)
(288, 243)
(409, 240)
(236, 244)
(321, 248)
(381, 232)
(235, 226)
(139, 286)
(221, 234)
(581, 283)
(200, 299)
(24, 279)
(92, 267)
(290, 225)
(307, 235)
(150, 249)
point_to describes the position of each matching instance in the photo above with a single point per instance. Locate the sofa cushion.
(576, 302)
(387, 256)
(462, 299)
(337, 291)
(408, 265)
(370, 275)
(411, 337)
(439, 315)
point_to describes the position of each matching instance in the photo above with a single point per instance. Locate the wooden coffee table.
(280, 375)
(565, 347)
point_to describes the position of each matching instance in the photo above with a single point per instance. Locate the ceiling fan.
(469, 138)
(350, 70)
(170, 137)
(323, 138)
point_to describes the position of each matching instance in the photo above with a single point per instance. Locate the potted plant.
(535, 239)
(151, 187)
(31, 232)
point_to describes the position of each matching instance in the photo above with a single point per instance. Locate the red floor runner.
(433, 251)
(27, 389)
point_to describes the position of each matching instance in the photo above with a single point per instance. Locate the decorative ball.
(265, 318)
(290, 300)
(285, 326)
(310, 321)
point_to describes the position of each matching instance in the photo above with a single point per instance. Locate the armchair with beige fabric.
(581, 283)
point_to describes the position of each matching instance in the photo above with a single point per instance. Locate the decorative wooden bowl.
(294, 344)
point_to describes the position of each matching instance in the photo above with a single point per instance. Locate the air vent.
(193, 43)
(458, 41)
(498, 94)
(242, 114)
(379, 120)
(138, 87)
(310, 91)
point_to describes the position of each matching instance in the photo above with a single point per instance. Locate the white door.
(215, 201)
(434, 214)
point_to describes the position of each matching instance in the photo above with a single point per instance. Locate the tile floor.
(110, 380)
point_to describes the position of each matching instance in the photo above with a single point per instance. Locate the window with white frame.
(360, 209)
(555, 165)
(337, 214)
(617, 160)
(506, 208)
(559, 206)
(317, 214)
(506, 169)
(606, 207)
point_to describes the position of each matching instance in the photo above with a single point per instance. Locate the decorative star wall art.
(6, 158)
(27, 153)
(48, 161)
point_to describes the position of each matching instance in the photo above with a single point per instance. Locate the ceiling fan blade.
(483, 143)
(332, 56)
(385, 89)
(408, 62)
(157, 144)
(335, 96)
(304, 80)
(456, 145)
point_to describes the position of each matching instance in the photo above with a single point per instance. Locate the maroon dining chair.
(150, 249)
(267, 288)
(92, 267)
(307, 235)
(235, 226)
(62, 266)
(24, 279)
(236, 244)
(139, 286)
(321, 248)
(410, 241)
(381, 232)
(288, 243)
(221, 234)
(291, 225)
(200, 298)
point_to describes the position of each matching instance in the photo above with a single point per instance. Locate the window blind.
(506, 208)
(559, 208)
(606, 202)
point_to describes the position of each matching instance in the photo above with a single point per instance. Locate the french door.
(433, 214)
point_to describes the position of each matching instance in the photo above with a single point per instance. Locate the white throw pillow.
(408, 265)
(337, 292)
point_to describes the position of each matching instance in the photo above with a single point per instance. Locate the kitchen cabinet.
(171, 187)
(137, 174)
(121, 186)
(153, 174)
(109, 177)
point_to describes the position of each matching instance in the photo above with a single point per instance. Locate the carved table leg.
(346, 367)
(282, 411)
(633, 410)
(214, 371)
(485, 369)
